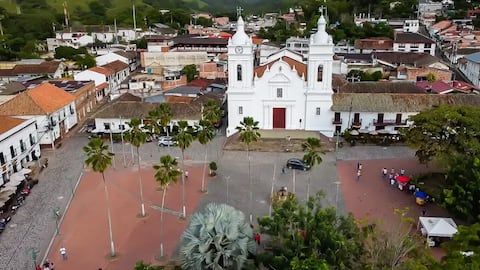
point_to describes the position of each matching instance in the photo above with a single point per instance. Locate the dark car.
(297, 164)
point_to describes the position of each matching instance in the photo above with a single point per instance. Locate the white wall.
(12, 138)
(472, 71)
(88, 75)
(109, 58)
(408, 47)
(368, 118)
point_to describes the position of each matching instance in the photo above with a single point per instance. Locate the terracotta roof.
(441, 25)
(116, 66)
(128, 55)
(300, 67)
(406, 58)
(101, 86)
(41, 100)
(101, 70)
(398, 103)
(438, 87)
(47, 67)
(7, 72)
(376, 43)
(407, 37)
(381, 87)
(9, 123)
(12, 88)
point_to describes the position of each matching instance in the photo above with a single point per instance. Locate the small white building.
(411, 26)
(129, 58)
(52, 108)
(413, 42)
(470, 67)
(108, 77)
(286, 92)
(18, 145)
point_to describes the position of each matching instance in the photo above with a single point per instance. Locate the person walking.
(402, 172)
(52, 266)
(384, 172)
(283, 169)
(359, 173)
(360, 166)
(63, 252)
(186, 174)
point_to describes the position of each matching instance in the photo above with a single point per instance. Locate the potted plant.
(213, 168)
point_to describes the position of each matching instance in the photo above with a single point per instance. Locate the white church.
(286, 92)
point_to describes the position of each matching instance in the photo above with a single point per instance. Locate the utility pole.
(134, 19)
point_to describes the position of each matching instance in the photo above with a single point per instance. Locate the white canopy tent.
(438, 227)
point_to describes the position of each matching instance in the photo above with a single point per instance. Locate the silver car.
(166, 141)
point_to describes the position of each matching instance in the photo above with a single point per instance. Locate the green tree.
(312, 157)
(205, 135)
(463, 251)
(86, 61)
(204, 22)
(190, 71)
(165, 116)
(99, 159)
(443, 132)
(165, 173)
(299, 234)
(217, 238)
(137, 137)
(431, 77)
(146, 266)
(248, 130)
(184, 138)
(154, 122)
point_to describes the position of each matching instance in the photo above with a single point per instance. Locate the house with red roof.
(413, 42)
(52, 108)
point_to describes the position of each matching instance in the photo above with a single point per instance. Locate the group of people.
(392, 176)
(46, 266)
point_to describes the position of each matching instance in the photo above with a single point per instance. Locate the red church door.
(278, 117)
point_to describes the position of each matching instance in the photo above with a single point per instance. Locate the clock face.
(238, 49)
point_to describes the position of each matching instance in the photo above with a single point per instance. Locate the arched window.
(320, 73)
(239, 72)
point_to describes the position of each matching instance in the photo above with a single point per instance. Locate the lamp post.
(111, 144)
(56, 216)
(227, 179)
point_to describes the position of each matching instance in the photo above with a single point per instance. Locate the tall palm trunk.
(250, 184)
(184, 208)
(204, 168)
(161, 219)
(140, 182)
(109, 217)
(308, 185)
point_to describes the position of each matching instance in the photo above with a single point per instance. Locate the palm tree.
(99, 159)
(166, 115)
(136, 136)
(166, 173)
(184, 138)
(218, 238)
(312, 157)
(153, 122)
(248, 130)
(205, 135)
(211, 111)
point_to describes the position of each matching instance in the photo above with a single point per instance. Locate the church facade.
(286, 92)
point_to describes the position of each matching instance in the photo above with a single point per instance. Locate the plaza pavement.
(34, 224)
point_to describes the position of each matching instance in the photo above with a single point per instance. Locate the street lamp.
(56, 216)
(227, 179)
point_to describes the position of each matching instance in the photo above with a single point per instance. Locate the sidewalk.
(84, 232)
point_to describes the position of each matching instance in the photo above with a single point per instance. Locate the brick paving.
(84, 232)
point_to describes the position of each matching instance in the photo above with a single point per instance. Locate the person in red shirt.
(39, 267)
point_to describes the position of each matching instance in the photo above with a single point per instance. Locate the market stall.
(437, 227)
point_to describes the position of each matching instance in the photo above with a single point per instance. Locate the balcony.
(357, 123)
(337, 121)
(389, 123)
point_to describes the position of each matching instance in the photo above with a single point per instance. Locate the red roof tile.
(101, 70)
(9, 122)
(300, 67)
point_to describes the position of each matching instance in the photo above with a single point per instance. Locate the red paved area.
(84, 231)
(373, 198)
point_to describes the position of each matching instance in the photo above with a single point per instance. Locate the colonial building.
(18, 145)
(51, 107)
(286, 92)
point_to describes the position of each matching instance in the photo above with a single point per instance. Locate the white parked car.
(166, 141)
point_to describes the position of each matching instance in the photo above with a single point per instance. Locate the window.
(240, 110)
(12, 151)
(320, 73)
(106, 126)
(427, 45)
(239, 73)
(72, 111)
(23, 147)
(32, 139)
(2, 158)
(121, 127)
(279, 92)
(317, 111)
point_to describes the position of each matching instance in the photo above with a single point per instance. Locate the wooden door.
(279, 117)
(398, 120)
(380, 118)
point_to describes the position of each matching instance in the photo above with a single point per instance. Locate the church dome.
(322, 37)
(240, 37)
